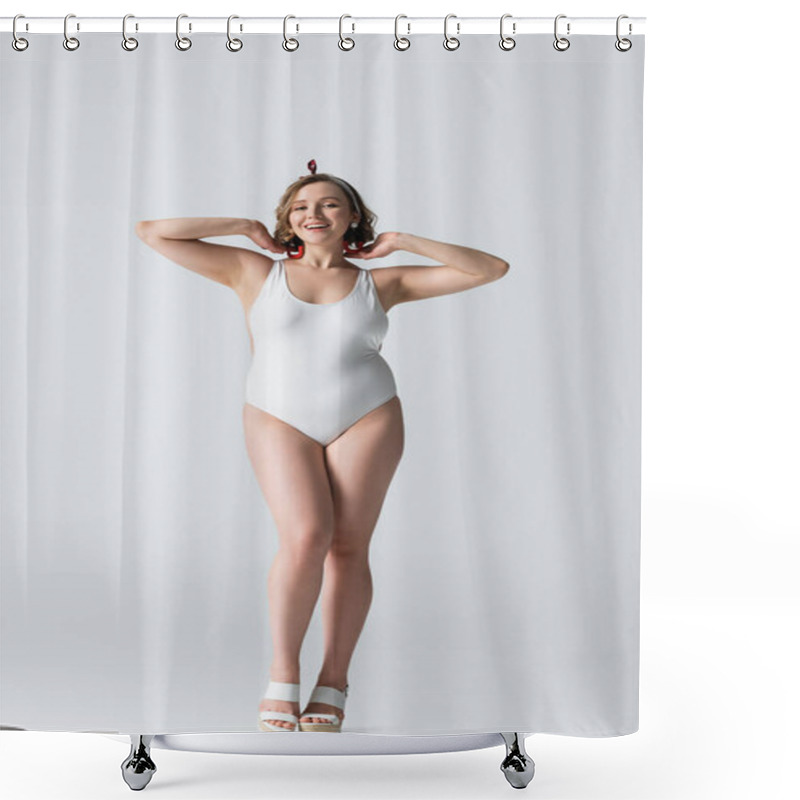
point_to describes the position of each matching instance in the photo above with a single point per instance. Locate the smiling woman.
(319, 202)
(321, 398)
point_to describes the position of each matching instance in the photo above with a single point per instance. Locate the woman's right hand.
(261, 236)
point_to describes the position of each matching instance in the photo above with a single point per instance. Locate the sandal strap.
(329, 696)
(282, 715)
(283, 691)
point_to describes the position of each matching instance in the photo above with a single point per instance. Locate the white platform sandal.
(331, 697)
(279, 691)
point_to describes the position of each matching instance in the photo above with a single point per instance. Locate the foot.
(279, 705)
(283, 697)
(323, 708)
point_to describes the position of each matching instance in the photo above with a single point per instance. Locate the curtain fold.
(136, 542)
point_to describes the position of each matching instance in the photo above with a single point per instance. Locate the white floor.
(719, 703)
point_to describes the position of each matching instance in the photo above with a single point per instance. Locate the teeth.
(315, 227)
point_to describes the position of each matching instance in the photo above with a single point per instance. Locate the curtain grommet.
(451, 42)
(128, 43)
(183, 43)
(234, 45)
(507, 42)
(18, 42)
(561, 43)
(289, 44)
(345, 42)
(70, 42)
(622, 44)
(400, 42)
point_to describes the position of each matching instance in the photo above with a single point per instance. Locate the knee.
(308, 542)
(348, 548)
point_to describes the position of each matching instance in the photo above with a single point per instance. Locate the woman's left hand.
(385, 244)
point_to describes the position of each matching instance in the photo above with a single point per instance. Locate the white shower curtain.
(136, 542)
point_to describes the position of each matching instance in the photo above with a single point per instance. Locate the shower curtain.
(136, 539)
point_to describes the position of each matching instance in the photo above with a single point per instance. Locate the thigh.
(361, 464)
(290, 469)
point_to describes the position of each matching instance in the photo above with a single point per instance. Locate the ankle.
(336, 682)
(281, 675)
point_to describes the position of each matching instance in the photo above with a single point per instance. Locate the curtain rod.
(457, 26)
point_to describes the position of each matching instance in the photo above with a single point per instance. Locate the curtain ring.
(234, 45)
(70, 42)
(561, 43)
(128, 42)
(623, 45)
(507, 42)
(18, 43)
(451, 42)
(182, 42)
(289, 45)
(401, 43)
(350, 42)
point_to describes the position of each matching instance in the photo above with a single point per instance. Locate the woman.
(322, 420)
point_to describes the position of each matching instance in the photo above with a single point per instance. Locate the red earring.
(351, 247)
(295, 253)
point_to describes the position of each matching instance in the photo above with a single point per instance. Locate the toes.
(311, 718)
(281, 723)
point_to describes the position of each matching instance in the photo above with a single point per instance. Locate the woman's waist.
(313, 364)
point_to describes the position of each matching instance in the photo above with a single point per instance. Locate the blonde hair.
(364, 230)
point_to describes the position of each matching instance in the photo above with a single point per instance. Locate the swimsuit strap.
(362, 273)
(268, 287)
(279, 282)
(372, 290)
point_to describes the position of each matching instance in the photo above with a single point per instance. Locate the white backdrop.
(135, 539)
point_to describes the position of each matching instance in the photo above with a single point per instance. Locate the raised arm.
(464, 268)
(180, 241)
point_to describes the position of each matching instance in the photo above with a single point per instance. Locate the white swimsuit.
(317, 366)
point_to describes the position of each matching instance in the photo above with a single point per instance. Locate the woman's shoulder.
(384, 275)
(256, 268)
(386, 281)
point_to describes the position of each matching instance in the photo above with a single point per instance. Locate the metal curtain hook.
(451, 42)
(182, 42)
(234, 45)
(507, 42)
(70, 42)
(290, 44)
(350, 43)
(623, 45)
(128, 42)
(18, 43)
(561, 43)
(401, 43)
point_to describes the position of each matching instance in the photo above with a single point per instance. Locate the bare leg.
(290, 469)
(361, 464)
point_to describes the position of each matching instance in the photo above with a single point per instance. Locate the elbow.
(144, 229)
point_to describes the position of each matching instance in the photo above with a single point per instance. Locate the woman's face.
(324, 206)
